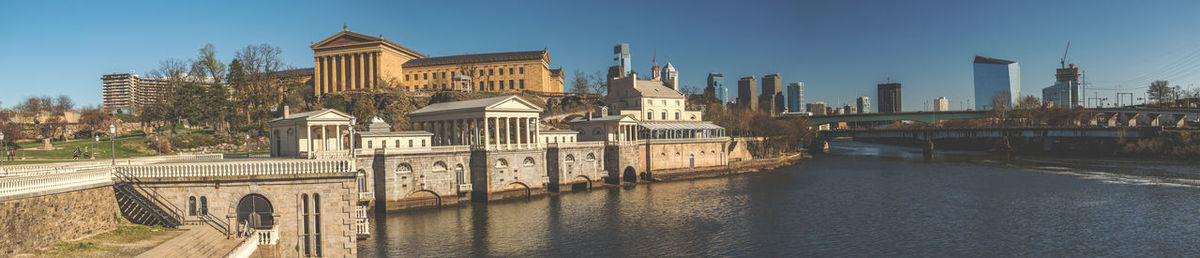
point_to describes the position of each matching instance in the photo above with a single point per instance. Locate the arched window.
(191, 206)
(591, 157)
(650, 115)
(307, 233)
(664, 115)
(317, 222)
(528, 162)
(597, 132)
(459, 174)
(439, 166)
(663, 154)
(501, 163)
(570, 158)
(677, 154)
(676, 114)
(203, 206)
(403, 168)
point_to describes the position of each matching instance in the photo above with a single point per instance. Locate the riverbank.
(125, 241)
(734, 168)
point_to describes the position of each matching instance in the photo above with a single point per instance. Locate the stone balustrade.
(239, 168)
(27, 185)
(71, 167)
(596, 144)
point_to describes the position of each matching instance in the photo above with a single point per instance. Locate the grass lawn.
(126, 147)
(125, 241)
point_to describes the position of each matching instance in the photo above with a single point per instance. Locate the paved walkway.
(198, 241)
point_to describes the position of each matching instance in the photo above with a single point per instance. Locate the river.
(859, 200)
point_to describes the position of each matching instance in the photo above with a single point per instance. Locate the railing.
(596, 144)
(240, 168)
(11, 186)
(70, 167)
(268, 237)
(247, 247)
(361, 226)
(335, 154)
(462, 188)
(365, 195)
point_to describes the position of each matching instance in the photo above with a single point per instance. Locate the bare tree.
(600, 82)
(1000, 105)
(580, 82)
(689, 90)
(165, 106)
(260, 64)
(1159, 91)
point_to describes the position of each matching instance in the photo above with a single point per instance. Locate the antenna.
(1063, 61)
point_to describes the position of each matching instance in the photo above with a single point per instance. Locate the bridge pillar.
(1132, 120)
(928, 149)
(1154, 119)
(1112, 119)
(1179, 122)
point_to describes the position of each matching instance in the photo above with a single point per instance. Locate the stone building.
(771, 100)
(648, 100)
(324, 133)
(352, 61)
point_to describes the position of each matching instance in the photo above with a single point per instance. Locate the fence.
(21, 185)
(240, 168)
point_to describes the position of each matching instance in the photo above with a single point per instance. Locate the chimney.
(286, 112)
(589, 116)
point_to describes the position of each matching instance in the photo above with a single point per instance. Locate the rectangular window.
(443, 75)
(405, 77)
(480, 86)
(480, 72)
(425, 76)
(410, 143)
(397, 144)
(491, 71)
(451, 74)
(491, 85)
(522, 70)
(501, 71)
(522, 83)
(510, 71)
(422, 142)
(444, 86)
(510, 84)
(502, 85)
(369, 144)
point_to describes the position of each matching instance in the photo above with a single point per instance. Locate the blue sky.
(839, 49)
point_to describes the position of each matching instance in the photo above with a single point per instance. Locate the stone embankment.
(734, 168)
(33, 223)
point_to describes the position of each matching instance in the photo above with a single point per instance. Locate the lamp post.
(97, 136)
(3, 148)
(112, 136)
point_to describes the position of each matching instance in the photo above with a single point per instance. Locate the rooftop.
(470, 58)
(656, 89)
(480, 104)
(989, 60)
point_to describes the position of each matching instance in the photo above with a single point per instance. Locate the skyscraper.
(864, 105)
(995, 79)
(795, 97)
(889, 97)
(621, 63)
(716, 85)
(772, 99)
(1066, 90)
(817, 108)
(941, 104)
(748, 93)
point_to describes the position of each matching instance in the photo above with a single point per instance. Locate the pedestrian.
(75, 155)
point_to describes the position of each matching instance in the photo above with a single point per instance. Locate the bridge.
(1110, 117)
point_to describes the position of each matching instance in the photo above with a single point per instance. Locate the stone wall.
(685, 155)
(571, 165)
(507, 174)
(620, 159)
(415, 180)
(338, 194)
(32, 223)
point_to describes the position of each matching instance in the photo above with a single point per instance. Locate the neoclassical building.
(351, 61)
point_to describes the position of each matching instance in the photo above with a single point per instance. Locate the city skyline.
(931, 56)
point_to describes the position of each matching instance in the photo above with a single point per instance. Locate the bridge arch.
(581, 186)
(630, 175)
(520, 187)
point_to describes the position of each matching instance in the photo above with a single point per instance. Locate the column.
(317, 87)
(324, 139)
(359, 78)
(367, 71)
(327, 73)
(497, 131)
(308, 134)
(338, 128)
(508, 132)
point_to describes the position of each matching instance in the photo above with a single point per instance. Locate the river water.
(859, 200)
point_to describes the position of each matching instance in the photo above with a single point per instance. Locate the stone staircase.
(198, 241)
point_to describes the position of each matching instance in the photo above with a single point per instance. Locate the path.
(198, 241)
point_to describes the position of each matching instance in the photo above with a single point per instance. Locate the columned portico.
(499, 123)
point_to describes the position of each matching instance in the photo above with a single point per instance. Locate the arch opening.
(630, 175)
(255, 211)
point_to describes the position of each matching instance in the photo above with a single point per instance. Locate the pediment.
(514, 104)
(330, 115)
(345, 38)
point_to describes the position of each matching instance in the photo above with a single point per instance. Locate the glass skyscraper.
(716, 83)
(996, 76)
(795, 97)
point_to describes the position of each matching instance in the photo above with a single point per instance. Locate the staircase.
(145, 206)
(198, 241)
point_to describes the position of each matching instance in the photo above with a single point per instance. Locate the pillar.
(324, 139)
(338, 128)
(318, 88)
(327, 70)
(308, 134)
(367, 70)
(497, 131)
(359, 80)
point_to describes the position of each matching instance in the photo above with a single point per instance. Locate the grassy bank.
(126, 241)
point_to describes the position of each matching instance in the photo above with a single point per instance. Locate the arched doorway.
(692, 161)
(255, 211)
(585, 185)
(630, 175)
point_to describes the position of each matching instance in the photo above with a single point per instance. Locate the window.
(649, 102)
(597, 131)
(510, 71)
(501, 163)
(203, 206)
(591, 157)
(491, 72)
(191, 206)
(425, 75)
(439, 166)
(422, 142)
(317, 220)
(491, 85)
(444, 75)
(663, 154)
(650, 115)
(480, 72)
(307, 229)
(501, 71)
(676, 154)
(676, 115)
(410, 145)
(444, 86)
(435, 75)
(570, 158)
(398, 144)
(528, 162)
(677, 103)
(664, 115)
(405, 77)
(480, 86)
(664, 102)
(522, 83)
(403, 168)
(383, 144)
(511, 85)
(501, 84)
(369, 145)
(522, 70)
(458, 173)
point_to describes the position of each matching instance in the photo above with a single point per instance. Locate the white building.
(941, 104)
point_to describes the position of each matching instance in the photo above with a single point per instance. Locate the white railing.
(71, 167)
(361, 226)
(334, 154)
(365, 195)
(268, 237)
(451, 148)
(595, 144)
(240, 168)
(11, 186)
(462, 188)
(246, 248)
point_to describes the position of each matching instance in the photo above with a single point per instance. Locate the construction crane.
(1063, 61)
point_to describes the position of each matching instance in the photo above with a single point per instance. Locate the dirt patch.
(126, 241)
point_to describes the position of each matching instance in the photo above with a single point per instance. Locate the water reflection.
(864, 200)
